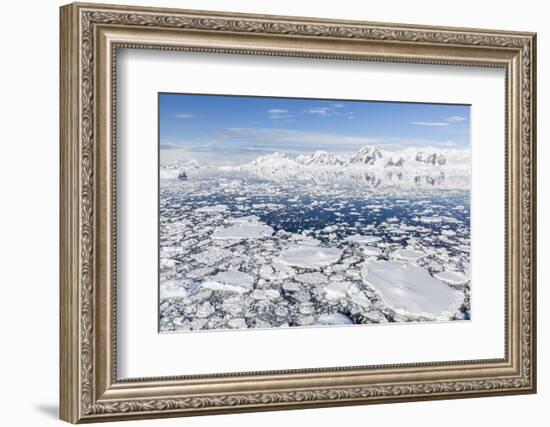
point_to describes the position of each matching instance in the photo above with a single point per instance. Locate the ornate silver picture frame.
(92, 35)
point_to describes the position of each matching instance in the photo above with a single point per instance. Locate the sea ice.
(336, 290)
(243, 231)
(371, 251)
(430, 219)
(244, 219)
(312, 257)
(314, 278)
(358, 238)
(213, 209)
(408, 254)
(333, 319)
(452, 277)
(231, 281)
(171, 289)
(409, 289)
(211, 256)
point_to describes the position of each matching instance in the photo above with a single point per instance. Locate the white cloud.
(185, 115)
(454, 119)
(448, 144)
(279, 114)
(430, 123)
(448, 122)
(294, 137)
(320, 111)
(329, 111)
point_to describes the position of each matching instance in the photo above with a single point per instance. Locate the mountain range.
(370, 157)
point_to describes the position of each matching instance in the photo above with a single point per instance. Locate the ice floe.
(231, 281)
(410, 289)
(452, 277)
(333, 319)
(408, 254)
(310, 257)
(243, 231)
(357, 238)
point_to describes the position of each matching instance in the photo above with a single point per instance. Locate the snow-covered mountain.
(319, 158)
(368, 155)
(371, 166)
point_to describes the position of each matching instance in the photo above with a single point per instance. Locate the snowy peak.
(369, 157)
(319, 158)
(365, 156)
(270, 158)
(395, 161)
(430, 158)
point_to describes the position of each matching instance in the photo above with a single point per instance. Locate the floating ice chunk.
(314, 278)
(213, 209)
(244, 219)
(171, 289)
(430, 219)
(313, 257)
(238, 323)
(448, 232)
(336, 290)
(452, 277)
(409, 289)
(265, 294)
(231, 281)
(333, 319)
(205, 310)
(200, 272)
(408, 254)
(167, 262)
(243, 231)
(237, 278)
(371, 251)
(358, 238)
(211, 256)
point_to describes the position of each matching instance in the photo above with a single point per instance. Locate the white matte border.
(142, 352)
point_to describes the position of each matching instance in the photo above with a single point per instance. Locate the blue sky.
(236, 129)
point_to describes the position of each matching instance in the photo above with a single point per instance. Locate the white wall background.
(29, 170)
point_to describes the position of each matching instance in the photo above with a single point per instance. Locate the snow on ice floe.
(171, 289)
(371, 251)
(231, 281)
(408, 254)
(212, 209)
(409, 289)
(243, 231)
(249, 219)
(452, 277)
(358, 238)
(333, 319)
(310, 257)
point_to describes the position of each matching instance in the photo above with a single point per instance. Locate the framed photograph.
(266, 212)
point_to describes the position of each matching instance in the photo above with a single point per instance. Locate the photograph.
(295, 212)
